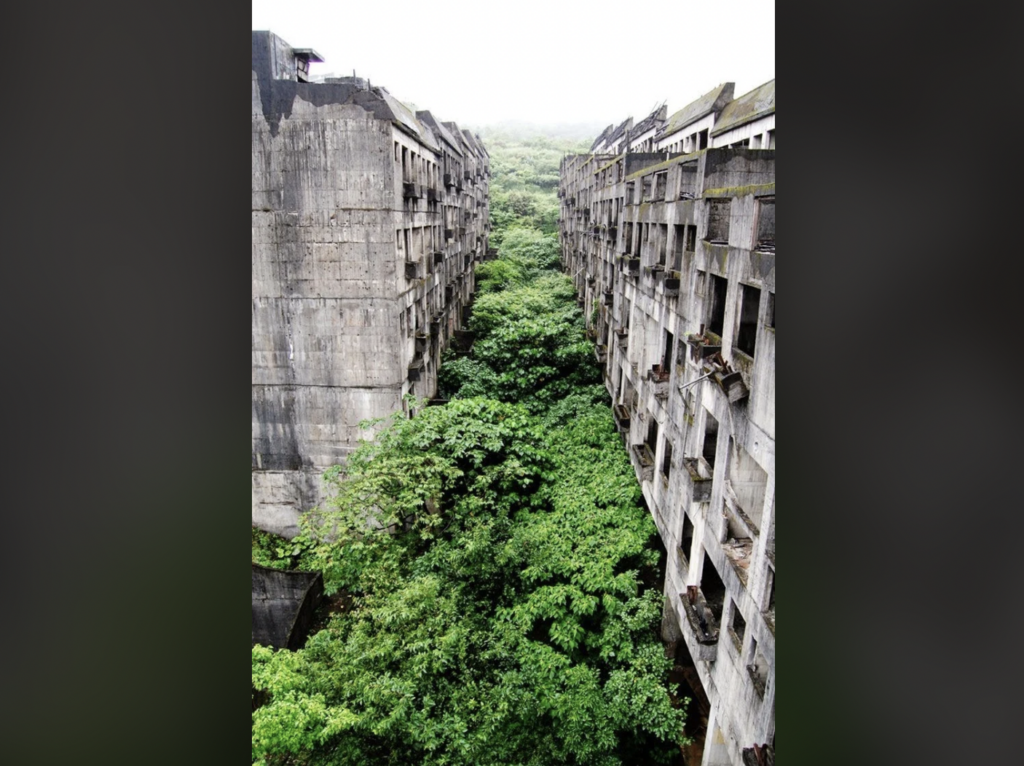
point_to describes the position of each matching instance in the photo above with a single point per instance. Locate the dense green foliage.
(503, 579)
(525, 180)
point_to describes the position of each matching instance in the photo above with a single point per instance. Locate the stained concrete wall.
(611, 243)
(342, 310)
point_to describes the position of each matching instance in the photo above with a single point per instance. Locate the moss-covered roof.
(664, 165)
(713, 101)
(748, 107)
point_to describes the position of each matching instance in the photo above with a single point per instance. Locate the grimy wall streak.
(359, 271)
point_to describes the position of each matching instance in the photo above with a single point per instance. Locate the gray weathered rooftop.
(620, 131)
(439, 128)
(649, 121)
(309, 54)
(713, 101)
(748, 107)
(604, 134)
(405, 117)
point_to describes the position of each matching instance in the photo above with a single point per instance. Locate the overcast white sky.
(540, 61)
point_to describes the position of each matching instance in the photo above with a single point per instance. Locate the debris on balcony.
(702, 622)
(659, 379)
(759, 755)
(738, 551)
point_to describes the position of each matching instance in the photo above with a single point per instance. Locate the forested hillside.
(504, 609)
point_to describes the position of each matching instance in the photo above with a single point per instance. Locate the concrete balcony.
(698, 479)
(702, 346)
(659, 378)
(621, 413)
(416, 368)
(703, 627)
(645, 460)
(671, 283)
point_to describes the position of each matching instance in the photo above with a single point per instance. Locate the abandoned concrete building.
(668, 229)
(366, 220)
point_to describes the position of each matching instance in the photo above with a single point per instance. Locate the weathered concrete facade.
(676, 250)
(366, 221)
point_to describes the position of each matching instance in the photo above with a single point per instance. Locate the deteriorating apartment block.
(366, 221)
(676, 251)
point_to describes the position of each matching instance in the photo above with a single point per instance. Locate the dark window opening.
(688, 180)
(652, 433)
(678, 240)
(716, 316)
(766, 225)
(719, 211)
(739, 625)
(691, 238)
(769, 319)
(660, 185)
(646, 192)
(702, 139)
(771, 592)
(687, 537)
(746, 338)
(666, 463)
(710, 447)
(666, 359)
(712, 588)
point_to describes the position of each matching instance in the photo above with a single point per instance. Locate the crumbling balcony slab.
(699, 486)
(645, 459)
(701, 622)
(659, 379)
(621, 413)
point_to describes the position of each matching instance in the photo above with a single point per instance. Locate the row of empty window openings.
(750, 307)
